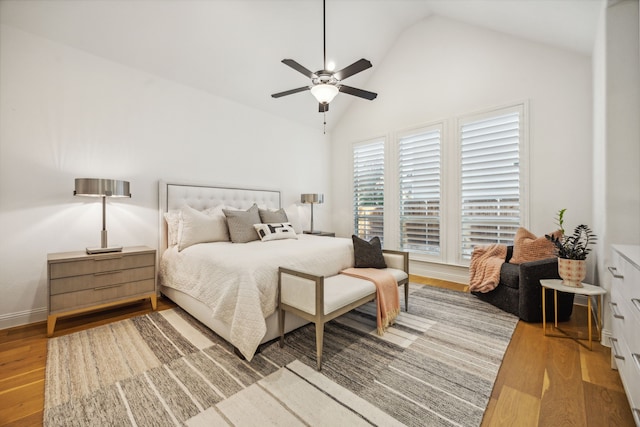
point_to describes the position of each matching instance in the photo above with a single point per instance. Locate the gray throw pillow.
(368, 254)
(271, 217)
(241, 223)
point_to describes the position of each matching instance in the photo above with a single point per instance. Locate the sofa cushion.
(510, 275)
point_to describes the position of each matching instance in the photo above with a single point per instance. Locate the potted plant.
(572, 251)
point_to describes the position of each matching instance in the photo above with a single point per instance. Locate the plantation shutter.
(368, 189)
(419, 179)
(490, 178)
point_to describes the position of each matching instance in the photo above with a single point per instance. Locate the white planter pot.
(572, 271)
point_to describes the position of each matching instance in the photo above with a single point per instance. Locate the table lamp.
(312, 198)
(96, 187)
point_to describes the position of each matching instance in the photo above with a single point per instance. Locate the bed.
(232, 287)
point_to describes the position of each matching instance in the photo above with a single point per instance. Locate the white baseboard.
(25, 317)
(449, 273)
(605, 338)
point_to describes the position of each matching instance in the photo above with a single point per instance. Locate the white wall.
(65, 114)
(440, 69)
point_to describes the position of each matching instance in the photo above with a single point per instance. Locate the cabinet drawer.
(100, 295)
(90, 281)
(629, 368)
(100, 264)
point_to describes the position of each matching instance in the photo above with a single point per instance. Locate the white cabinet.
(625, 324)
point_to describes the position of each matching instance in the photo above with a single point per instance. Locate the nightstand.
(321, 233)
(78, 282)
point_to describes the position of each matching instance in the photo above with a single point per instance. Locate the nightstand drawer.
(100, 264)
(100, 295)
(90, 281)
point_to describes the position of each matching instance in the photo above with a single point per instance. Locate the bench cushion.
(399, 275)
(339, 291)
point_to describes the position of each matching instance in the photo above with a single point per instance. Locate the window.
(490, 194)
(419, 190)
(368, 189)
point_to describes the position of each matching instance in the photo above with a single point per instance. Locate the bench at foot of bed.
(320, 299)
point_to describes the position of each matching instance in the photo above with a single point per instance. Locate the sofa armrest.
(300, 290)
(530, 295)
(396, 259)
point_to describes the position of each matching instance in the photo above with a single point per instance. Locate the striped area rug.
(435, 367)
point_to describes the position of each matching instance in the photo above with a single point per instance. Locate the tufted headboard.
(173, 195)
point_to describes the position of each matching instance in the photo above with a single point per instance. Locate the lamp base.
(312, 232)
(104, 250)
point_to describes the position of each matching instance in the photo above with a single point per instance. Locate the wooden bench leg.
(406, 296)
(319, 340)
(281, 326)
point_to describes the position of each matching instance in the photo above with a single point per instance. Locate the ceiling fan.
(326, 84)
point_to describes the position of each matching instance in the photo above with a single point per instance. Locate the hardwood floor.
(543, 381)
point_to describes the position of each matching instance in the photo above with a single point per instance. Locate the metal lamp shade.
(97, 187)
(312, 198)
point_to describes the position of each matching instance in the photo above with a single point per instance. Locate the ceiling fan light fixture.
(324, 93)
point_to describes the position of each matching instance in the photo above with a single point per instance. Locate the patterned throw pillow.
(527, 247)
(275, 231)
(368, 254)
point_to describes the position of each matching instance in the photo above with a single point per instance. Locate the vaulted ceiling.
(233, 48)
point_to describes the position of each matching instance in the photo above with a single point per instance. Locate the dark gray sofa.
(519, 291)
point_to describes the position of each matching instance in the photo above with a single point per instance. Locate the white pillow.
(201, 227)
(293, 215)
(173, 226)
(276, 231)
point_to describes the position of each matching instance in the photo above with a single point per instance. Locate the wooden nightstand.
(78, 282)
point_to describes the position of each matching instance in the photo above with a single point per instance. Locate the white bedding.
(239, 281)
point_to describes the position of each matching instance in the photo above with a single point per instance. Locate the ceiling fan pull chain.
(324, 128)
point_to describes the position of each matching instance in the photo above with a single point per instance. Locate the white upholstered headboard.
(172, 195)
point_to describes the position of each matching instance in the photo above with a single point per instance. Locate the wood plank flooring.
(543, 381)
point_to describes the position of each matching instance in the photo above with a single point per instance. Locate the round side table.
(587, 290)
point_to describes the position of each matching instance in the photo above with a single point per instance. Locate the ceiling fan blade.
(299, 68)
(323, 108)
(358, 92)
(290, 92)
(352, 69)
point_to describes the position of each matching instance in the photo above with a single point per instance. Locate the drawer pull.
(105, 273)
(614, 347)
(636, 358)
(107, 287)
(614, 272)
(636, 302)
(614, 310)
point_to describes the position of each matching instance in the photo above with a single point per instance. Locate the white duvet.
(239, 281)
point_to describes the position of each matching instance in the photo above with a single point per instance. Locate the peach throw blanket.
(484, 270)
(387, 297)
